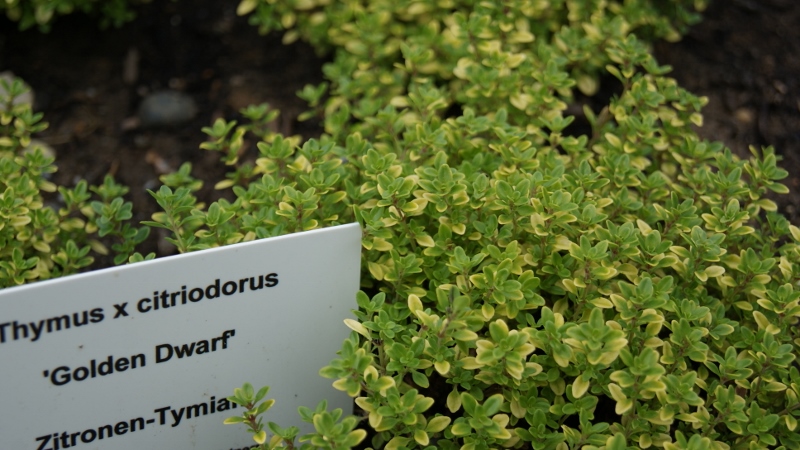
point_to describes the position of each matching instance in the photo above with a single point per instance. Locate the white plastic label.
(143, 356)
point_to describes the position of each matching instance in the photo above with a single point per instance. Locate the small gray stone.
(27, 97)
(166, 108)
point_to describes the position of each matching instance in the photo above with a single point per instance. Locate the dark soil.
(198, 47)
(745, 57)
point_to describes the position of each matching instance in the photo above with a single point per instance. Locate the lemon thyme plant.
(527, 286)
(328, 433)
(43, 236)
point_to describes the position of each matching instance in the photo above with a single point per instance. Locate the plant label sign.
(144, 356)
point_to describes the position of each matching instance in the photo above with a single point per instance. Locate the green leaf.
(437, 424)
(420, 379)
(454, 401)
(261, 394)
(461, 429)
(469, 402)
(617, 442)
(260, 437)
(492, 404)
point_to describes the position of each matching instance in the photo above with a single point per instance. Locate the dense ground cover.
(744, 57)
(615, 213)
